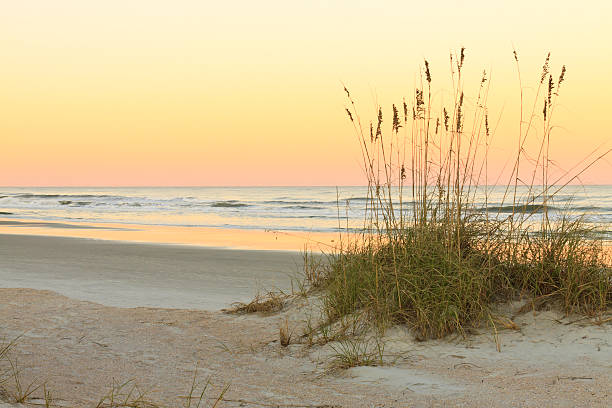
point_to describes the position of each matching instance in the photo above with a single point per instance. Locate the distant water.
(278, 208)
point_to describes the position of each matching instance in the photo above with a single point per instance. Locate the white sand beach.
(305, 204)
(88, 312)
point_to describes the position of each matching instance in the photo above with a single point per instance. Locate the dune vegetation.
(435, 254)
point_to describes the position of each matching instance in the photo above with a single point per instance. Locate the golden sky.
(144, 92)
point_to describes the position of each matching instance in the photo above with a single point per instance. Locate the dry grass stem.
(270, 302)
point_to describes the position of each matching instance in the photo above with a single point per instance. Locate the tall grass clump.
(436, 251)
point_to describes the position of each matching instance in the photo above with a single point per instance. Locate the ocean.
(318, 209)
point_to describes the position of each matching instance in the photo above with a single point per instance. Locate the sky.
(146, 92)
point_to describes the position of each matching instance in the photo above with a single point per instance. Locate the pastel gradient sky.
(145, 92)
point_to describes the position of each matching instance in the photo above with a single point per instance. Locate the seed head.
(459, 114)
(420, 104)
(446, 118)
(396, 120)
(427, 73)
(378, 126)
(551, 86)
(545, 68)
(561, 77)
(350, 115)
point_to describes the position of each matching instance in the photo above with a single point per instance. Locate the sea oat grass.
(356, 352)
(434, 257)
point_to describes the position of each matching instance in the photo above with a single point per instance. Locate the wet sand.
(197, 236)
(128, 274)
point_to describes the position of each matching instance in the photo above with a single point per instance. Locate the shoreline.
(227, 238)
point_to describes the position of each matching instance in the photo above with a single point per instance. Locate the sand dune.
(150, 312)
(80, 347)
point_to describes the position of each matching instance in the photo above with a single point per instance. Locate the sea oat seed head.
(462, 58)
(459, 114)
(350, 115)
(420, 104)
(348, 94)
(378, 126)
(396, 120)
(545, 68)
(371, 133)
(561, 77)
(446, 118)
(551, 86)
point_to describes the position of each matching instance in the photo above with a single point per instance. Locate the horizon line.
(253, 186)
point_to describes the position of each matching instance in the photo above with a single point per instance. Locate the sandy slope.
(79, 347)
(127, 317)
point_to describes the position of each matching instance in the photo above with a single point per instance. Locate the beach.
(129, 274)
(286, 204)
(98, 295)
(88, 312)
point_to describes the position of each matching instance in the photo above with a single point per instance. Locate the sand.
(202, 236)
(128, 274)
(82, 339)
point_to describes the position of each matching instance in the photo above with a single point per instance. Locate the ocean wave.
(275, 208)
(341, 201)
(303, 207)
(529, 208)
(229, 204)
(589, 208)
(297, 202)
(291, 217)
(74, 203)
(73, 196)
(539, 208)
